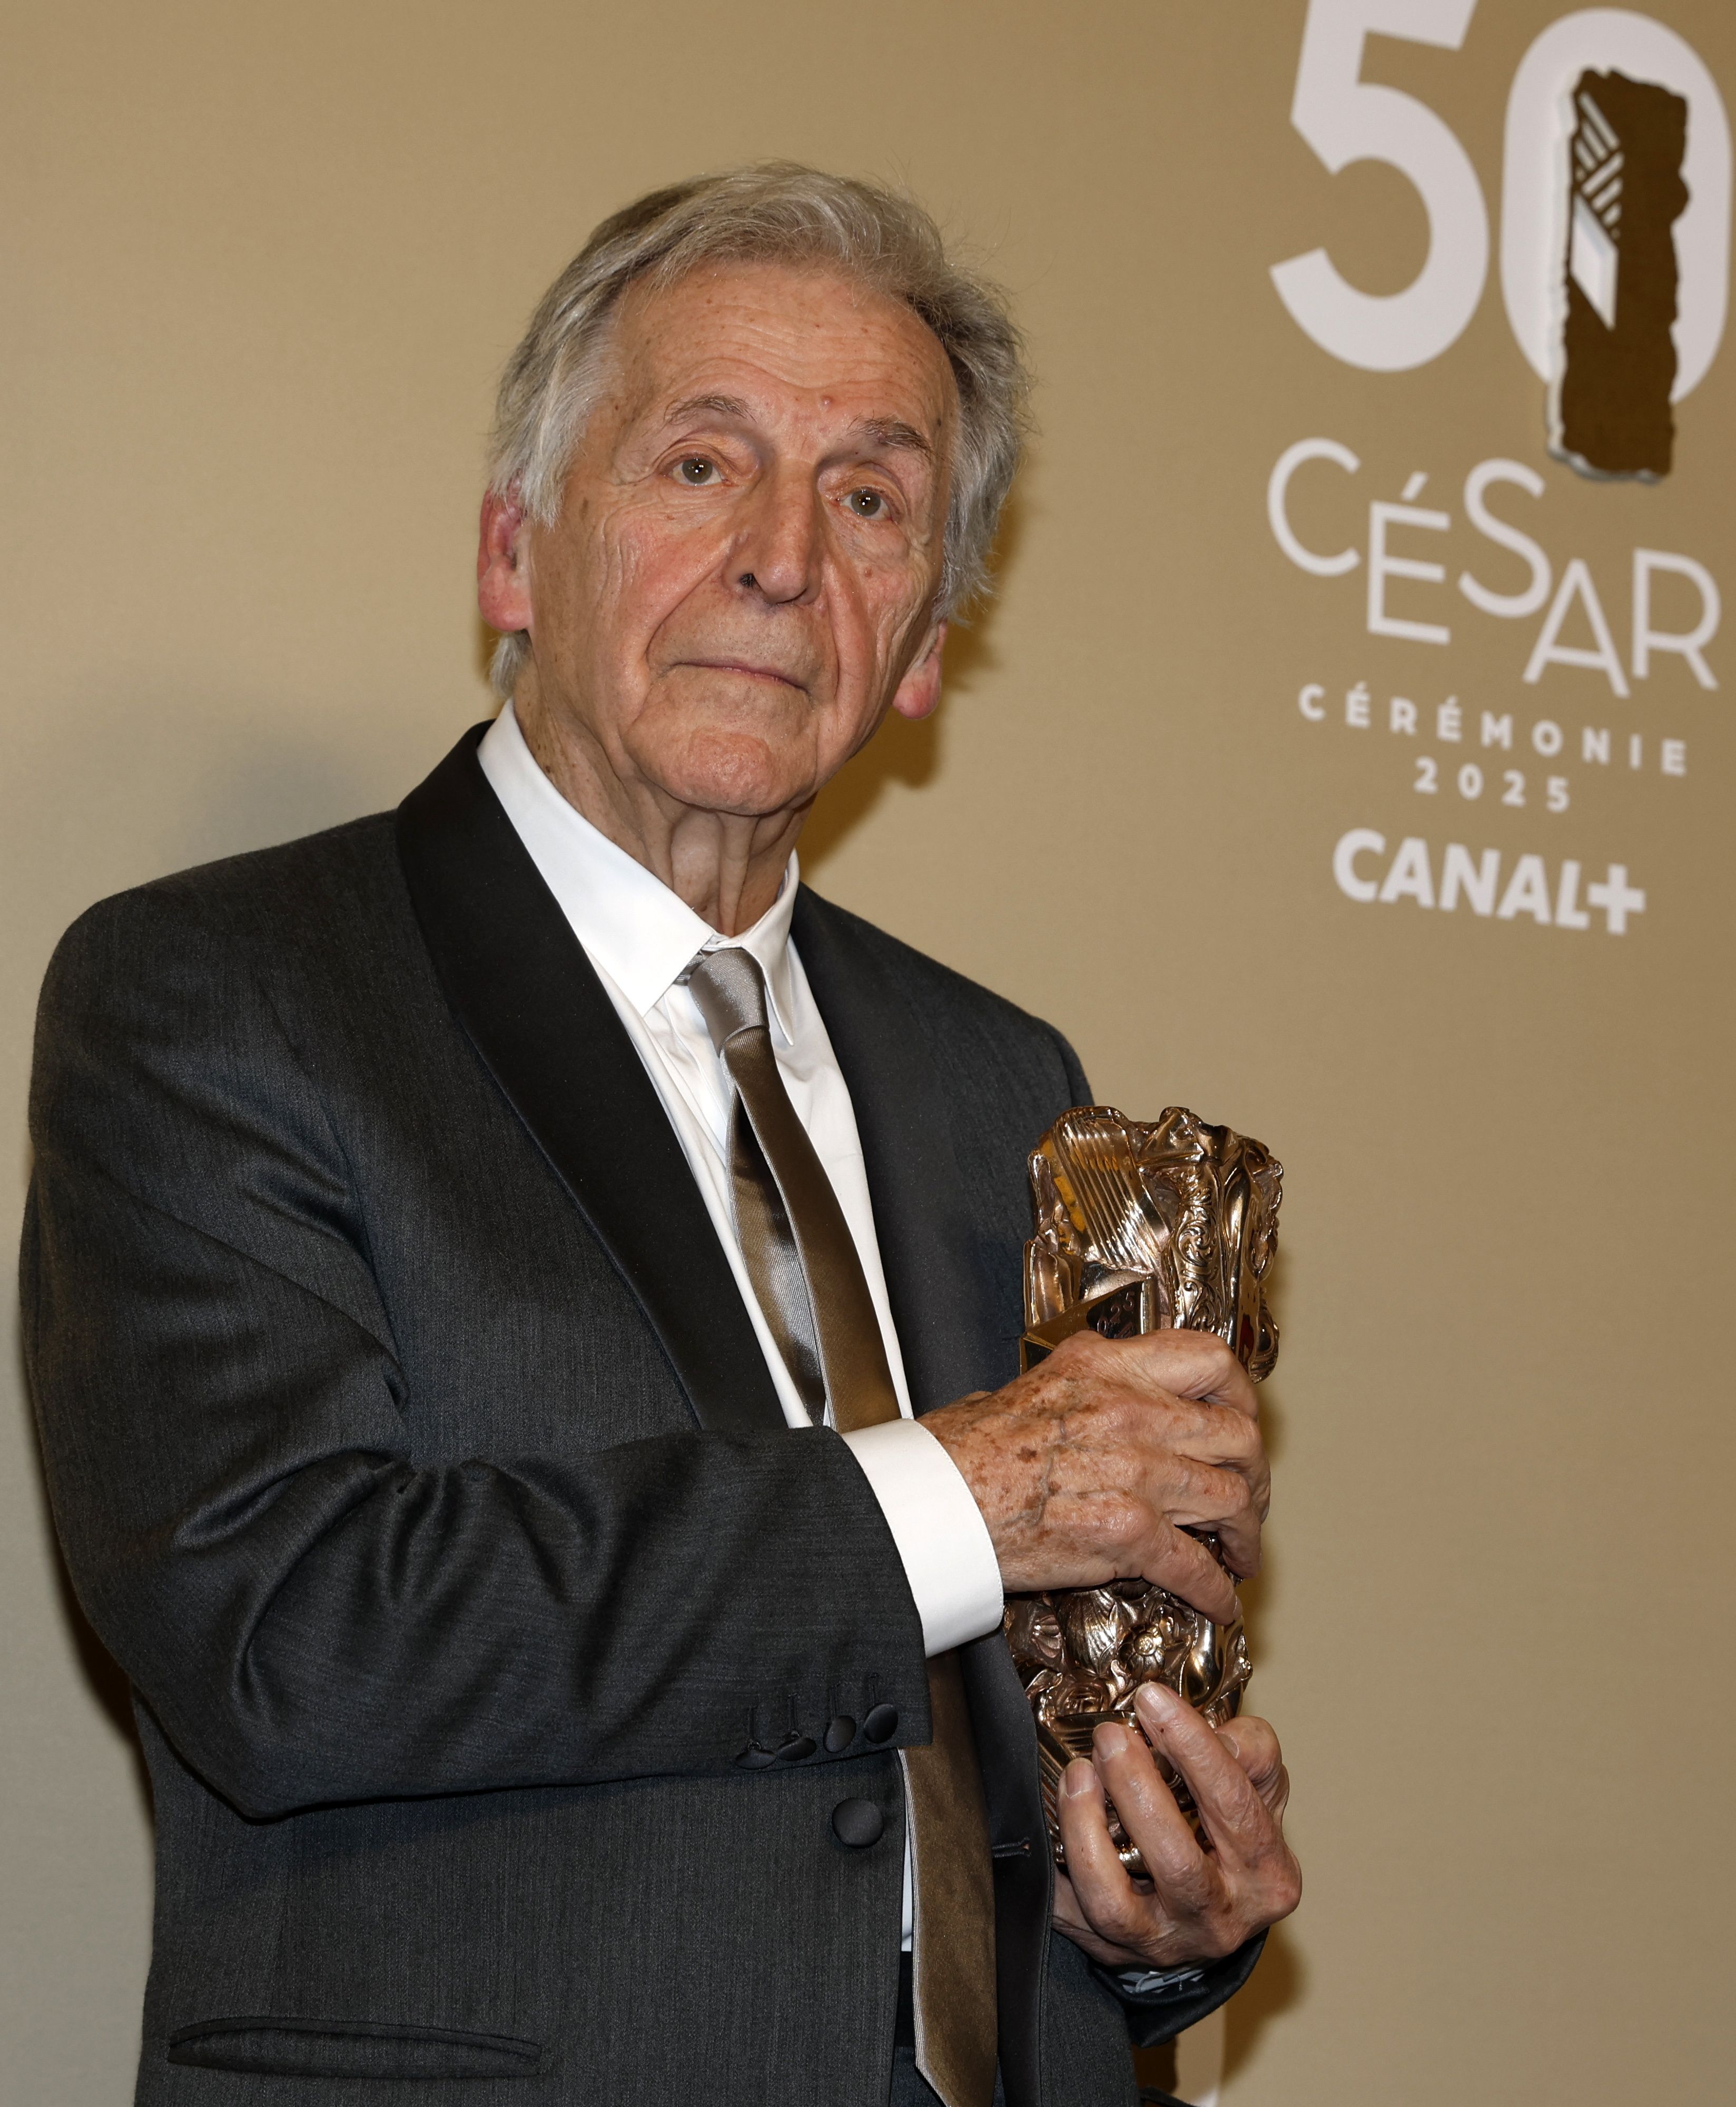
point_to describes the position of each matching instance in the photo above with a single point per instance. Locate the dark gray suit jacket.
(412, 1451)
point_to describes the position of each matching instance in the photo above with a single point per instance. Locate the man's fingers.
(1179, 1871)
(1094, 1865)
(1239, 1448)
(1231, 1810)
(1255, 1747)
(1183, 1565)
(1215, 1434)
(1195, 1364)
(1107, 1898)
(1198, 1496)
(1223, 1502)
(1204, 1899)
(1071, 1920)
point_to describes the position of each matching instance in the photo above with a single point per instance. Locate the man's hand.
(1201, 1904)
(1093, 1466)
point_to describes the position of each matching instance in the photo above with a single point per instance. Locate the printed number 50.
(1346, 119)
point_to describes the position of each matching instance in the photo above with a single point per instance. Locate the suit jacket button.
(754, 1758)
(881, 1724)
(793, 1747)
(858, 1823)
(839, 1734)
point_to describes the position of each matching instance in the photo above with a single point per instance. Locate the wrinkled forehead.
(806, 345)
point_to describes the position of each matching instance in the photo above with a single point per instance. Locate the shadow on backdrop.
(1275, 1986)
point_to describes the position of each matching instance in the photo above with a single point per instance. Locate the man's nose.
(777, 556)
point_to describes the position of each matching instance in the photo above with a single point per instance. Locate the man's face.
(740, 581)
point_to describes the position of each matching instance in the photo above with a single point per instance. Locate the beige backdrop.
(263, 264)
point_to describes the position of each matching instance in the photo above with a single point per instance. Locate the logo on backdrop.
(1609, 407)
(1615, 226)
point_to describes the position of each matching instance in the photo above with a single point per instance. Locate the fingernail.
(1155, 1699)
(1110, 1740)
(1078, 1779)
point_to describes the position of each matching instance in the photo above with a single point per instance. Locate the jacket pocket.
(350, 2048)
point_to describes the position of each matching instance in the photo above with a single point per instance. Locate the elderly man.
(522, 1297)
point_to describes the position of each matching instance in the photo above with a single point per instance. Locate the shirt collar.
(640, 933)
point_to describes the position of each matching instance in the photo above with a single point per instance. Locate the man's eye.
(866, 504)
(695, 470)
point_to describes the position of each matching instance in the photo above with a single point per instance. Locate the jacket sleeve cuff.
(941, 1535)
(1178, 1998)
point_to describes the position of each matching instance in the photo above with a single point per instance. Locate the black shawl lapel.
(519, 983)
(930, 1248)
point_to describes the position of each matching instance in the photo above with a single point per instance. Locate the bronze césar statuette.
(1139, 1227)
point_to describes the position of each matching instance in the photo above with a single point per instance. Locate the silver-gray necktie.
(808, 1277)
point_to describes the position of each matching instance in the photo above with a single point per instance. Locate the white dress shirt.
(640, 936)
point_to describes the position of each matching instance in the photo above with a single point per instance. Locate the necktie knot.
(731, 991)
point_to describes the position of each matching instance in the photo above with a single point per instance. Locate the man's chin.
(735, 775)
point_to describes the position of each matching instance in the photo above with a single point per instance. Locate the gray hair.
(777, 211)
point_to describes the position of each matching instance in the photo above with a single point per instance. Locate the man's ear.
(503, 584)
(919, 691)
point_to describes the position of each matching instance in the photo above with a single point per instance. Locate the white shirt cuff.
(938, 1528)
